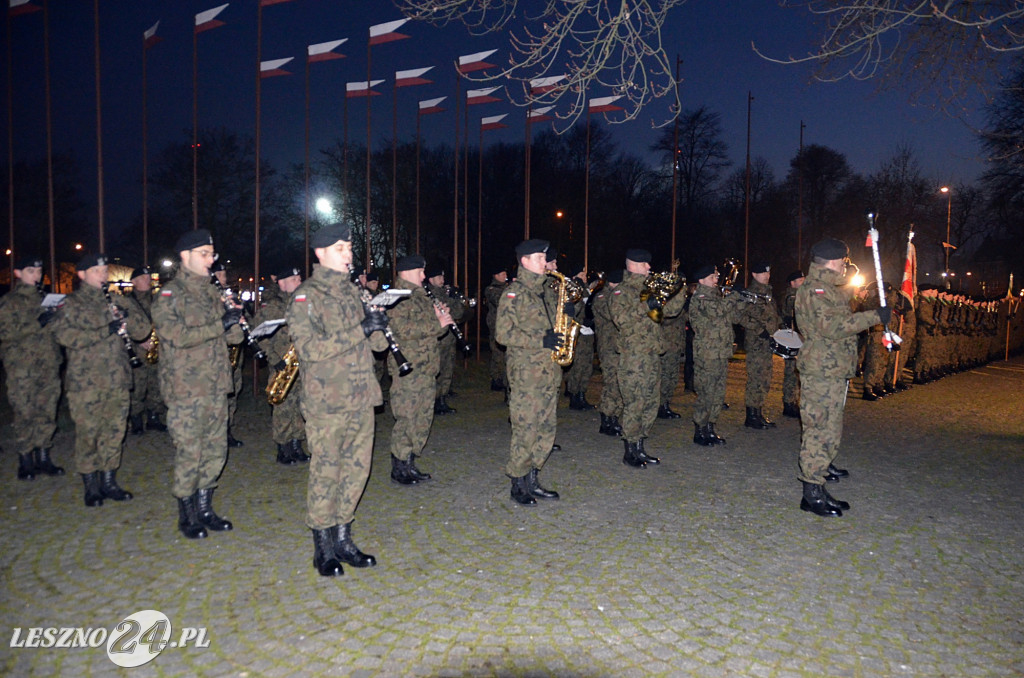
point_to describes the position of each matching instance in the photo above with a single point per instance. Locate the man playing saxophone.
(146, 400)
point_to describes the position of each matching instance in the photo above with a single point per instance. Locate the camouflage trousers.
(446, 346)
(821, 414)
(876, 360)
(908, 334)
(198, 427)
(101, 420)
(496, 365)
(286, 419)
(577, 378)
(709, 376)
(146, 391)
(533, 408)
(611, 396)
(236, 390)
(341, 446)
(670, 363)
(640, 385)
(759, 372)
(33, 397)
(790, 383)
(412, 403)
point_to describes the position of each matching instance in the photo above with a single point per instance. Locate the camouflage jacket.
(144, 300)
(274, 307)
(335, 358)
(762, 313)
(787, 307)
(22, 340)
(193, 351)
(492, 295)
(456, 307)
(828, 326)
(637, 331)
(607, 333)
(96, 358)
(712, 316)
(525, 313)
(416, 328)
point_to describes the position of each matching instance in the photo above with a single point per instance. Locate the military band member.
(496, 363)
(826, 363)
(146, 401)
(763, 319)
(674, 337)
(418, 325)
(790, 379)
(446, 344)
(195, 327)
(333, 335)
(32, 360)
(98, 377)
(237, 352)
(578, 374)
(608, 353)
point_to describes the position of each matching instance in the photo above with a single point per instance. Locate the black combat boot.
(26, 467)
(284, 455)
(153, 422)
(791, 410)
(135, 425)
(400, 472)
(838, 472)
(535, 488)
(521, 491)
(324, 560)
(606, 426)
(768, 423)
(869, 394)
(297, 453)
(617, 426)
(699, 437)
(232, 440)
(665, 412)
(188, 520)
(93, 495)
(814, 501)
(110, 489)
(754, 421)
(497, 385)
(205, 514)
(880, 392)
(578, 401)
(832, 502)
(346, 551)
(415, 472)
(44, 465)
(644, 457)
(631, 456)
(709, 433)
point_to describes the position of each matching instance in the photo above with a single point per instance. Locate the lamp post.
(949, 215)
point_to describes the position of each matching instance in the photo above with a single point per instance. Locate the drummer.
(765, 321)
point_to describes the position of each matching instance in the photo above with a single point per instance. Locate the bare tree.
(702, 156)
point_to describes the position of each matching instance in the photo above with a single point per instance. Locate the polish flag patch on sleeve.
(819, 290)
(166, 293)
(617, 292)
(300, 297)
(510, 295)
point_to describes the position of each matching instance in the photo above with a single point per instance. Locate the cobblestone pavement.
(703, 566)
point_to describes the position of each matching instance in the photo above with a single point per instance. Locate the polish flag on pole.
(493, 122)
(908, 288)
(605, 104)
(428, 106)
(268, 3)
(324, 51)
(412, 77)
(208, 20)
(382, 33)
(539, 114)
(475, 62)
(272, 68)
(361, 89)
(149, 37)
(545, 85)
(480, 96)
(19, 7)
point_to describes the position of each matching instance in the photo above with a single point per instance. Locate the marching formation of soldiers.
(321, 336)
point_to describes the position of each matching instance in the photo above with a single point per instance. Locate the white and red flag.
(208, 19)
(149, 36)
(382, 33)
(412, 77)
(492, 122)
(604, 104)
(539, 114)
(547, 84)
(481, 96)
(908, 288)
(268, 3)
(361, 89)
(19, 7)
(475, 62)
(272, 68)
(428, 106)
(324, 51)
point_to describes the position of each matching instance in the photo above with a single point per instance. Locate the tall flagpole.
(479, 234)
(675, 164)
(50, 202)
(800, 203)
(145, 163)
(455, 160)
(10, 152)
(394, 175)
(586, 202)
(746, 201)
(195, 129)
(305, 212)
(99, 128)
(369, 150)
(526, 178)
(256, 216)
(418, 114)
(465, 207)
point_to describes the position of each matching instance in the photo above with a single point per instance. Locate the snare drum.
(786, 343)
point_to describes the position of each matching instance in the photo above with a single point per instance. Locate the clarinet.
(460, 340)
(122, 331)
(229, 303)
(404, 366)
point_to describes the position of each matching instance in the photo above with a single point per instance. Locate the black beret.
(287, 272)
(638, 255)
(410, 262)
(795, 275)
(614, 276)
(28, 262)
(434, 270)
(90, 260)
(551, 253)
(190, 240)
(703, 271)
(760, 267)
(330, 234)
(528, 247)
(138, 272)
(217, 266)
(829, 249)
(372, 276)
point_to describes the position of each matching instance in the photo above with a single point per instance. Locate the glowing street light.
(78, 247)
(949, 214)
(324, 207)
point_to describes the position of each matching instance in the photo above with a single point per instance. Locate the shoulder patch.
(300, 297)
(701, 296)
(819, 290)
(617, 292)
(510, 295)
(166, 292)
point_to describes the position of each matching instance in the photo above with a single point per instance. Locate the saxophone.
(564, 325)
(661, 286)
(281, 384)
(153, 354)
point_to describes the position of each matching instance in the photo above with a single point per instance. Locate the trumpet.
(404, 366)
(229, 303)
(122, 331)
(460, 339)
(661, 286)
(754, 297)
(456, 294)
(732, 272)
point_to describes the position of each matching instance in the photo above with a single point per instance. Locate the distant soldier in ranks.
(446, 344)
(287, 427)
(417, 325)
(608, 352)
(578, 374)
(98, 377)
(146, 400)
(875, 355)
(763, 321)
(237, 352)
(492, 295)
(31, 359)
(674, 338)
(640, 348)
(371, 283)
(195, 327)
(333, 334)
(925, 317)
(826, 364)
(790, 379)
(525, 325)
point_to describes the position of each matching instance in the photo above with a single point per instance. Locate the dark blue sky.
(712, 37)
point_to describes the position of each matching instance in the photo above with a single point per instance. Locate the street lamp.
(324, 207)
(949, 214)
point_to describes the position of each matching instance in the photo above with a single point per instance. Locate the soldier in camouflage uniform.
(790, 379)
(31, 359)
(287, 427)
(826, 364)
(640, 348)
(146, 400)
(237, 351)
(194, 329)
(608, 353)
(446, 344)
(418, 325)
(496, 364)
(674, 336)
(578, 374)
(98, 376)
(333, 335)
(525, 325)
(763, 320)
